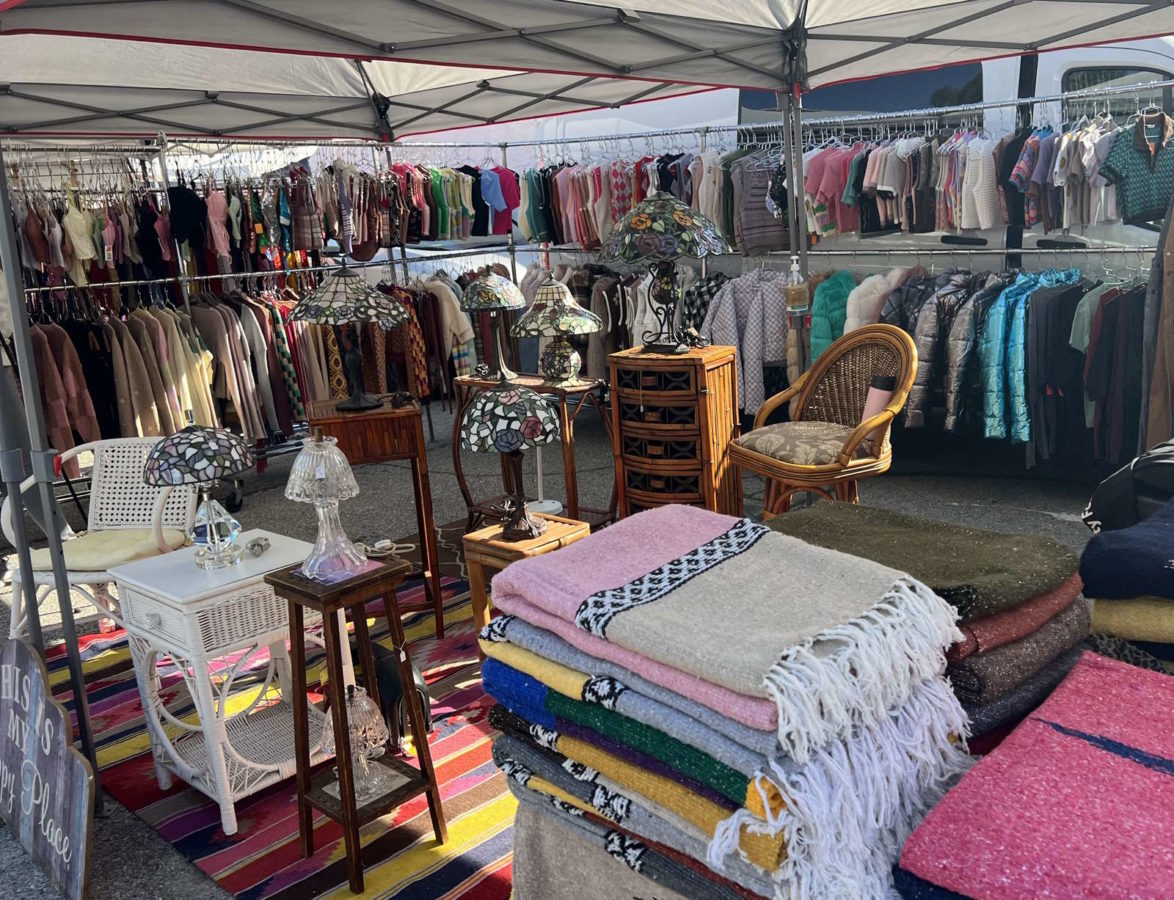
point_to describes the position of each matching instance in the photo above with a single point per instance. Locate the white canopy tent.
(385, 69)
(391, 68)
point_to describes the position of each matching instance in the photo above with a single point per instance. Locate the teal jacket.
(829, 309)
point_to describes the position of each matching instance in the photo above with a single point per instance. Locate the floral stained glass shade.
(555, 312)
(663, 228)
(196, 455)
(505, 419)
(344, 297)
(492, 293)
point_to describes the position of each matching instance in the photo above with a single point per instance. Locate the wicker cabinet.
(674, 417)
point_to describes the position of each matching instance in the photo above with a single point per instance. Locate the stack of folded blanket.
(1129, 573)
(726, 709)
(1018, 600)
(1077, 802)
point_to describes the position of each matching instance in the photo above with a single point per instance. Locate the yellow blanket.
(1140, 619)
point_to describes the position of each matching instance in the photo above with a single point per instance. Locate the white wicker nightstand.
(216, 622)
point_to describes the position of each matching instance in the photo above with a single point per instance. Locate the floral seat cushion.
(803, 443)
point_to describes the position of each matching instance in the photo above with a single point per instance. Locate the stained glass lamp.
(494, 294)
(203, 456)
(556, 314)
(344, 298)
(658, 232)
(321, 474)
(508, 419)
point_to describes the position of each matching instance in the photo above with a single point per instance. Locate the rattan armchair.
(127, 520)
(826, 448)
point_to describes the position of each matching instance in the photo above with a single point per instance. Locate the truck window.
(1091, 77)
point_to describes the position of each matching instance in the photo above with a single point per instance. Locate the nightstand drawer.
(679, 383)
(640, 448)
(669, 416)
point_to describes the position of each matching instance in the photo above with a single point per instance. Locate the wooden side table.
(486, 549)
(390, 433)
(327, 599)
(570, 401)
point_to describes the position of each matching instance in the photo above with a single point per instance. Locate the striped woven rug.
(263, 860)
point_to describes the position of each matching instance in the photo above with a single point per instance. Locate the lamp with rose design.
(507, 419)
(658, 232)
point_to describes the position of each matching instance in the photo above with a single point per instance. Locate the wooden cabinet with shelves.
(674, 417)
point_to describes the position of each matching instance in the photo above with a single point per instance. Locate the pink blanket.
(1077, 802)
(556, 584)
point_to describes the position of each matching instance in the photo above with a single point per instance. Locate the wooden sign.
(46, 786)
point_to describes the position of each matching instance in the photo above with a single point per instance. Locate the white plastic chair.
(119, 501)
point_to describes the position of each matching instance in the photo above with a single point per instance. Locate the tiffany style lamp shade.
(494, 294)
(344, 298)
(658, 232)
(199, 455)
(507, 419)
(556, 314)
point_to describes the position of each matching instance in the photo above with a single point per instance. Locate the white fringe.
(850, 675)
(851, 807)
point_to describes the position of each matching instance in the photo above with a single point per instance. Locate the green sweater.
(829, 309)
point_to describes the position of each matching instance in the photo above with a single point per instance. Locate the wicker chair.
(826, 448)
(127, 520)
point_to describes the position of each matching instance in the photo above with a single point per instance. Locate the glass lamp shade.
(507, 419)
(199, 455)
(492, 293)
(555, 313)
(344, 297)
(662, 228)
(322, 475)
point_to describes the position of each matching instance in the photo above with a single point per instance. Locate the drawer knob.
(656, 449)
(152, 620)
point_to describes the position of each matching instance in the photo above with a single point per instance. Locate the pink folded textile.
(560, 582)
(1077, 802)
(989, 632)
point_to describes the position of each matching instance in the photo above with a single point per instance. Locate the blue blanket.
(1132, 562)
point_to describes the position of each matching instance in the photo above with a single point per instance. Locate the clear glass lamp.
(322, 475)
(369, 737)
(203, 456)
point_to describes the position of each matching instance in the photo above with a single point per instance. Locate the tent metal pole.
(403, 249)
(796, 124)
(702, 132)
(510, 239)
(166, 176)
(43, 471)
(789, 163)
(12, 472)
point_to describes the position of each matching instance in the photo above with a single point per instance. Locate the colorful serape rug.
(263, 859)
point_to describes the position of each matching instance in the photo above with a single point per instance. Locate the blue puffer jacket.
(1017, 403)
(1002, 355)
(992, 350)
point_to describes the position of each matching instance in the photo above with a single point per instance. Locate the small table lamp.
(344, 298)
(199, 455)
(322, 475)
(494, 294)
(658, 232)
(507, 419)
(556, 314)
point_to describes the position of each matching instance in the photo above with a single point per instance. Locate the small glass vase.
(214, 535)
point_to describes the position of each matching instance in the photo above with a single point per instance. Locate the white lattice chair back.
(119, 498)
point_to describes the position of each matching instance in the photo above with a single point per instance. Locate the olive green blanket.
(979, 572)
